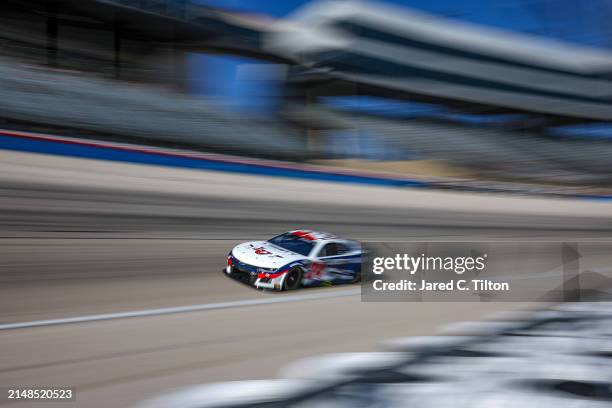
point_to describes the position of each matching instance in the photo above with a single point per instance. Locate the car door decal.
(316, 270)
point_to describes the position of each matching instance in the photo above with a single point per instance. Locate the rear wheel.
(293, 280)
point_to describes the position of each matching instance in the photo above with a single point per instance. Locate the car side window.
(330, 249)
(342, 249)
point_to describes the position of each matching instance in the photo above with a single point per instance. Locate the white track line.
(181, 309)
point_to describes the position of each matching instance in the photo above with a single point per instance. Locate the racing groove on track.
(46, 194)
(44, 209)
(181, 309)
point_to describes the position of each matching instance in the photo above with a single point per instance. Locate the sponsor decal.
(316, 270)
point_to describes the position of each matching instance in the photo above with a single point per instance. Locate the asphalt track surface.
(86, 237)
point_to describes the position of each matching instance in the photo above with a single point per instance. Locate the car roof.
(313, 235)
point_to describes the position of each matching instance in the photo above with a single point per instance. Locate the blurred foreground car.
(296, 258)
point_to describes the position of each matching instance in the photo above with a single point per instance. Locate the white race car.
(296, 258)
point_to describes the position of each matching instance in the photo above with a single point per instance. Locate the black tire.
(293, 280)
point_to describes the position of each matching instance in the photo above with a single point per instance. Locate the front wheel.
(293, 280)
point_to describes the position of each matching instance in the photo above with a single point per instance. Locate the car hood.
(264, 255)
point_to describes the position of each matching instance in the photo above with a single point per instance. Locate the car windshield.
(293, 243)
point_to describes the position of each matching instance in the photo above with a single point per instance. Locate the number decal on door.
(316, 270)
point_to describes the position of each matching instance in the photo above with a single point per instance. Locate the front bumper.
(251, 278)
(274, 284)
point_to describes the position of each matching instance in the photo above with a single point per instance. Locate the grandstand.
(116, 70)
(119, 70)
(66, 103)
(136, 40)
(400, 53)
(482, 98)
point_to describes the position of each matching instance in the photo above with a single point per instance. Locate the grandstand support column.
(117, 48)
(179, 65)
(52, 33)
(314, 139)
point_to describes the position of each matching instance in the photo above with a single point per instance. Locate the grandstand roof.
(405, 53)
(160, 20)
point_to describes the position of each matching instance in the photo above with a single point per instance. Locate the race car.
(294, 259)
